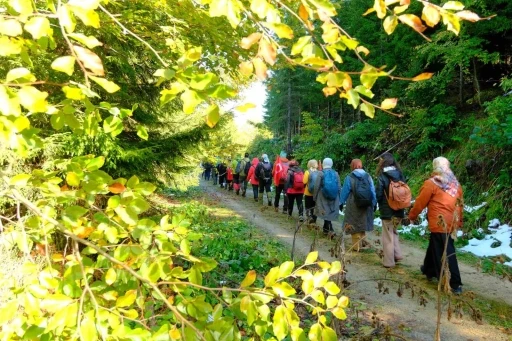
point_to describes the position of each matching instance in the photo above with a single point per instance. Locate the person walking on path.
(294, 187)
(280, 173)
(253, 179)
(245, 165)
(264, 173)
(442, 195)
(388, 170)
(236, 174)
(358, 196)
(309, 181)
(229, 175)
(215, 175)
(222, 169)
(327, 195)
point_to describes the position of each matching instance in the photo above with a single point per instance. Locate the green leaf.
(20, 180)
(195, 276)
(315, 332)
(454, 5)
(203, 81)
(185, 247)
(260, 8)
(286, 269)
(73, 213)
(95, 163)
(73, 93)
(353, 98)
(312, 257)
(110, 276)
(38, 27)
(109, 86)
(154, 272)
(368, 109)
(300, 44)
(212, 115)
(64, 64)
(329, 334)
(297, 334)
(89, 41)
(23, 7)
(190, 100)
(127, 214)
(88, 17)
(249, 279)
(72, 179)
(280, 324)
(86, 4)
(127, 299)
(142, 132)
(364, 91)
(88, 330)
(271, 277)
(113, 125)
(66, 18)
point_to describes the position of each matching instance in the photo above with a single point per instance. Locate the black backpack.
(265, 171)
(362, 191)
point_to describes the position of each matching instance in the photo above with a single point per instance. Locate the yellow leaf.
(282, 30)
(303, 12)
(23, 7)
(328, 91)
(362, 49)
(300, 44)
(190, 100)
(389, 103)
(245, 107)
(233, 13)
(468, 16)
(331, 302)
(109, 86)
(90, 60)
(413, 21)
(454, 5)
(324, 6)
(127, 299)
(268, 52)
(212, 115)
(452, 22)
(400, 9)
(312, 257)
(89, 41)
(9, 46)
(21, 74)
(370, 10)
(339, 313)
(350, 43)
(88, 17)
(246, 68)
(249, 279)
(64, 64)
(33, 99)
(260, 8)
(10, 27)
(430, 15)
(423, 76)
(85, 4)
(343, 302)
(260, 69)
(250, 40)
(390, 23)
(368, 109)
(66, 19)
(110, 276)
(38, 27)
(380, 8)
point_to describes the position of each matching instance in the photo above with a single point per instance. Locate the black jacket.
(394, 174)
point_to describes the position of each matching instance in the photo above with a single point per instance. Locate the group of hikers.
(325, 197)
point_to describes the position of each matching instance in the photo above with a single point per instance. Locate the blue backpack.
(311, 181)
(330, 188)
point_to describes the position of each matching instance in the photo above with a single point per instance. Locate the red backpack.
(298, 181)
(281, 173)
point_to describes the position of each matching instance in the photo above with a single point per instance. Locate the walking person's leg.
(291, 199)
(388, 244)
(268, 189)
(396, 240)
(255, 192)
(300, 207)
(279, 190)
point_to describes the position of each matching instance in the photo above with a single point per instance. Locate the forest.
(110, 110)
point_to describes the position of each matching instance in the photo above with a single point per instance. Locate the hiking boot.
(243, 193)
(285, 212)
(256, 199)
(457, 291)
(276, 209)
(422, 269)
(237, 192)
(301, 219)
(269, 203)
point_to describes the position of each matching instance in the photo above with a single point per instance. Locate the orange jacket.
(253, 178)
(438, 203)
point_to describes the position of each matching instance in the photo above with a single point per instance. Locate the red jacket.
(229, 174)
(253, 178)
(438, 203)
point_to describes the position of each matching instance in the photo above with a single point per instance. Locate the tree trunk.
(289, 121)
(476, 84)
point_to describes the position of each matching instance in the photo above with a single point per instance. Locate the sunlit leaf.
(38, 27)
(245, 107)
(250, 40)
(390, 23)
(412, 21)
(380, 8)
(249, 279)
(109, 86)
(64, 64)
(324, 5)
(246, 68)
(282, 30)
(110, 276)
(454, 5)
(20, 74)
(300, 44)
(212, 115)
(423, 76)
(430, 15)
(89, 41)
(268, 52)
(312, 257)
(142, 132)
(10, 27)
(260, 8)
(368, 109)
(400, 9)
(353, 98)
(260, 68)
(303, 12)
(389, 103)
(452, 22)
(90, 60)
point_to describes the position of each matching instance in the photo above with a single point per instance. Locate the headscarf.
(265, 158)
(443, 176)
(312, 165)
(356, 164)
(327, 163)
(283, 154)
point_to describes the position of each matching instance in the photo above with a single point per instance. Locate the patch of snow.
(471, 209)
(494, 223)
(482, 248)
(377, 222)
(460, 233)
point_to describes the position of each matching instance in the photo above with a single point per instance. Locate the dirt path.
(419, 321)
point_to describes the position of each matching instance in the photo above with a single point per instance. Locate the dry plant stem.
(18, 196)
(20, 222)
(134, 35)
(70, 45)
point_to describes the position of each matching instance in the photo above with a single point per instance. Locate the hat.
(327, 163)
(265, 158)
(283, 154)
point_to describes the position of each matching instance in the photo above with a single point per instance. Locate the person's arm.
(379, 192)
(345, 191)
(318, 183)
(426, 192)
(288, 182)
(372, 188)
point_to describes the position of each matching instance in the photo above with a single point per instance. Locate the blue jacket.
(347, 187)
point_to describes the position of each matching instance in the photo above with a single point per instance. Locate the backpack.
(330, 188)
(281, 173)
(238, 167)
(399, 195)
(311, 181)
(298, 181)
(362, 191)
(244, 168)
(265, 171)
